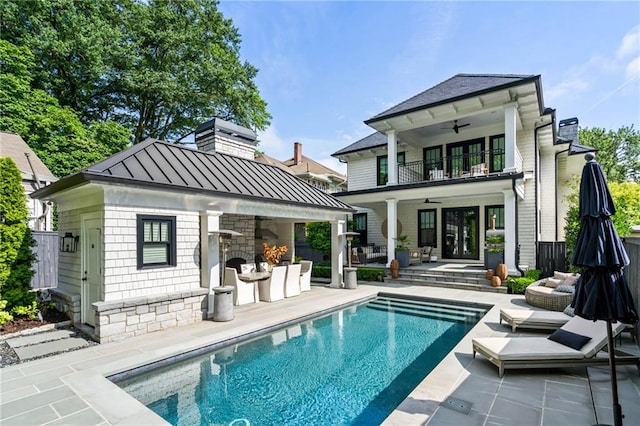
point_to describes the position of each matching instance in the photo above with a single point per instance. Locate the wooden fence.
(552, 256)
(46, 265)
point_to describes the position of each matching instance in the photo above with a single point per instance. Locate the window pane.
(164, 231)
(498, 211)
(427, 228)
(155, 253)
(147, 232)
(497, 153)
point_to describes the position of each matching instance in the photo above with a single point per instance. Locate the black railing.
(452, 167)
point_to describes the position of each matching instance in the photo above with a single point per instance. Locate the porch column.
(392, 231)
(510, 231)
(337, 253)
(392, 158)
(510, 137)
(209, 254)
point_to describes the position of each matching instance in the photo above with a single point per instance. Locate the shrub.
(363, 273)
(16, 256)
(30, 311)
(534, 274)
(519, 284)
(4, 315)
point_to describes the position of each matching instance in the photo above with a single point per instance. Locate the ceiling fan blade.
(427, 201)
(464, 125)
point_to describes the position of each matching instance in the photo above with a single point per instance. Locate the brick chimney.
(297, 153)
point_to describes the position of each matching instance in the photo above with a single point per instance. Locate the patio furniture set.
(575, 341)
(255, 283)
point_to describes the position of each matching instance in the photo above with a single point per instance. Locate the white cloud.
(633, 69)
(271, 143)
(571, 85)
(630, 43)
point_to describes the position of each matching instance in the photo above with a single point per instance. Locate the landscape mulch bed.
(52, 316)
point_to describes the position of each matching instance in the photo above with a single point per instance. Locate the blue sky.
(325, 67)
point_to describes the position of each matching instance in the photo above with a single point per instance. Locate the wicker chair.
(537, 294)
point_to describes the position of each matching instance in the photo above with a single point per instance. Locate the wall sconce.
(69, 243)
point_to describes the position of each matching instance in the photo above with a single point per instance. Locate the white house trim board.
(392, 228)
(392, 162)
(338, 228)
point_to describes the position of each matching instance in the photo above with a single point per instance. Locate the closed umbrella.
(602, 292)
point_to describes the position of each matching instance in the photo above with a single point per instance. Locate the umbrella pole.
(617, 409)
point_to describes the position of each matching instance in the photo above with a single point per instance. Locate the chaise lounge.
(579, 346)
(538, 320)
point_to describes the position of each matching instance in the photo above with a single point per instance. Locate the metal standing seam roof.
(154, 163)
(459, 86)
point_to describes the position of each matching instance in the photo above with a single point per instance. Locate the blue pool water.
(353, 366)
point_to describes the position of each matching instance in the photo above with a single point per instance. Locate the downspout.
(555, 171)
(536, 168)
(45, 211)
(517, 253)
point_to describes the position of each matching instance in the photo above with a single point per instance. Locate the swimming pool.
(353, 366)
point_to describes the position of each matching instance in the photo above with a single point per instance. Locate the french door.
(460, 228)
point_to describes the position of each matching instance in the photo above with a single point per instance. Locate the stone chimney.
(297, 153)
(227, 138)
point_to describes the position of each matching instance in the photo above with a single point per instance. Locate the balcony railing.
(481, 163)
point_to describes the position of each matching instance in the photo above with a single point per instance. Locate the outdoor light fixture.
(69, 243)
(349, 236)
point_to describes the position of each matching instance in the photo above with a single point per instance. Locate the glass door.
(460, 233)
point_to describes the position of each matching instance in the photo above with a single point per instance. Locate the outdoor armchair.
(305, 275)
(272, 288)
(244, 291)
(292, 282)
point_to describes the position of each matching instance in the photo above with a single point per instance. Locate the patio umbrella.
(602, 292)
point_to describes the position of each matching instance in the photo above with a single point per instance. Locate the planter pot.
(496, 281)
(502, 271)
(492, 259)
(489, 274)
(394, 266)
(403, 258)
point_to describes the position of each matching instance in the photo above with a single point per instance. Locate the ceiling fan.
(456, 128)
(427, 201)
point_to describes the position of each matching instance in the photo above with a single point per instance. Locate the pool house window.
(156, 241)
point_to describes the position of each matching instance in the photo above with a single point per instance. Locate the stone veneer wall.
(119, 320)
(67, 303)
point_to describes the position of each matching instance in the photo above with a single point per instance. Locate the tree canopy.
(55, 133)
(158, 67)
(618, 151)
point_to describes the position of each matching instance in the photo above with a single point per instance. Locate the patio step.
(448, 278)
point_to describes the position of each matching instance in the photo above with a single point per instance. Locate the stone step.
(17, 342)
(428, 276)
(51, 347)
(449, 284)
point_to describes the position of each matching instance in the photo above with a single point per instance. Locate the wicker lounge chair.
(540, 352)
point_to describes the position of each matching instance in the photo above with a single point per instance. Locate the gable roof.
(12, 145)
(160, 165)
(457, 87)
(310, 167)
(371, 141)
(265, 159)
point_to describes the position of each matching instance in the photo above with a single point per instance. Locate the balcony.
(476, 164)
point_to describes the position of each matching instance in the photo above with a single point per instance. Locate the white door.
(91, 245)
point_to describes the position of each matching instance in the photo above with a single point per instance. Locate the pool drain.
(459, 405)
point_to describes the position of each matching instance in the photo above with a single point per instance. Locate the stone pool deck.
(71, 388)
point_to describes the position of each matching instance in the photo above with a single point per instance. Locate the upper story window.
(498, 211)
(432, 158)
(360, 225)
(383, 167)
(463, 155)
(156, 241)
(496, 160)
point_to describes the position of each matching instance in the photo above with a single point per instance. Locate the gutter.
(517, 253)
(46, 207)
(555, 172)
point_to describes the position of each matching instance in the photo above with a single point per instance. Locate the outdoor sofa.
(552, 293)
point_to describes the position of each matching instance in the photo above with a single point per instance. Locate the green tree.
(158, 67)
(16, 256)
(55, 133)
(626, 197)
(618, 151)
(319, 237)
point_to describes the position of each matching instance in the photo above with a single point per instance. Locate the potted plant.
(402, 250)
(494, 250)
(273, 253)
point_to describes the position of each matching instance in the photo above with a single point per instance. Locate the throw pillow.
(569, 311)
(560, 275)
(570, 280)
(566, 289)
(567, 338)
(552, 282)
